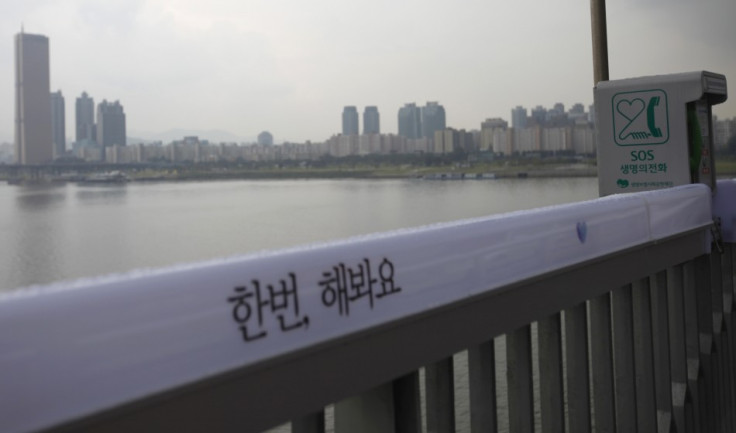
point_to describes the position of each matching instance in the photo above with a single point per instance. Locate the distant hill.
(212, 135)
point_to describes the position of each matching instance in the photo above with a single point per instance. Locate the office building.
(433, 119)
(371, 120)
(33, 142)
(58, 124)
(110, 124)
(518, 117)
(410, 121)
(350, 121)
(265, 138)
(85, 120)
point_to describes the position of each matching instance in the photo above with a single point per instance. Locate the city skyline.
(286, 68)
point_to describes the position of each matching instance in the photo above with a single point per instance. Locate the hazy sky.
(289, 66)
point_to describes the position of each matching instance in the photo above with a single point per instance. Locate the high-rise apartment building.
(85, 120)
(350, 121)
(577, 113)
(496, 122)
(371, 120)
(577, 108)
(433, 119)
(110, 124)
(518, 117)
(33, 142)
(539, 115)
(58, 124)
(410, 121)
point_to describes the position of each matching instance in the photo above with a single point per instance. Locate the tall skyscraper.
(33, 143)
(110, 124)
(58, 124)
(85, 120)
(433, 119)
(410, 121)
(350, 121)
(371, 120)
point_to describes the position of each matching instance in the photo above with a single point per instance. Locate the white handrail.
(73, 350)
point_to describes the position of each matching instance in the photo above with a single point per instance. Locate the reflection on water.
(40, 197)
(33, 240)
(101, 194)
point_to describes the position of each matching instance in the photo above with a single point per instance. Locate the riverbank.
(450, 172)
(336, 169)
(514, 168)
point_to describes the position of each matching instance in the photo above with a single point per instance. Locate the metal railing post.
(716, 301)
(728, 288)
(644, 357)
(407, 410)
(369, 412)
(519, 380)
(661, 355)
(312, 423)
(692, 343)
(678, 347)
(576, 349)
(623, 353)
(602, 363)
(440, 396)
(551, 400)
(482, 383)
(706, 391)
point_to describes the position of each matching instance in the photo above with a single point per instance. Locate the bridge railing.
(633, 313)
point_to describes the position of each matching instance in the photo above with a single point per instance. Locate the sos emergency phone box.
(656, 132)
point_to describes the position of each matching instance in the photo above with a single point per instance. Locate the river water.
(67, 231)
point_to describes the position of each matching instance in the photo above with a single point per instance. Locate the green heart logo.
(630, 109)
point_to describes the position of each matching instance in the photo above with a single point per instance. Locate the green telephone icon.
(631, 110)
(653, 102)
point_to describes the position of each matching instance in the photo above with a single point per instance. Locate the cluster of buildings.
(108, 130)
(371, 121)
(424, 130)
(100, 133)
(40, 121)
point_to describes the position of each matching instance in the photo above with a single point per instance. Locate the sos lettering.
(642, 155)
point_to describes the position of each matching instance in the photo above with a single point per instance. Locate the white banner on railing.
(70, 350)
